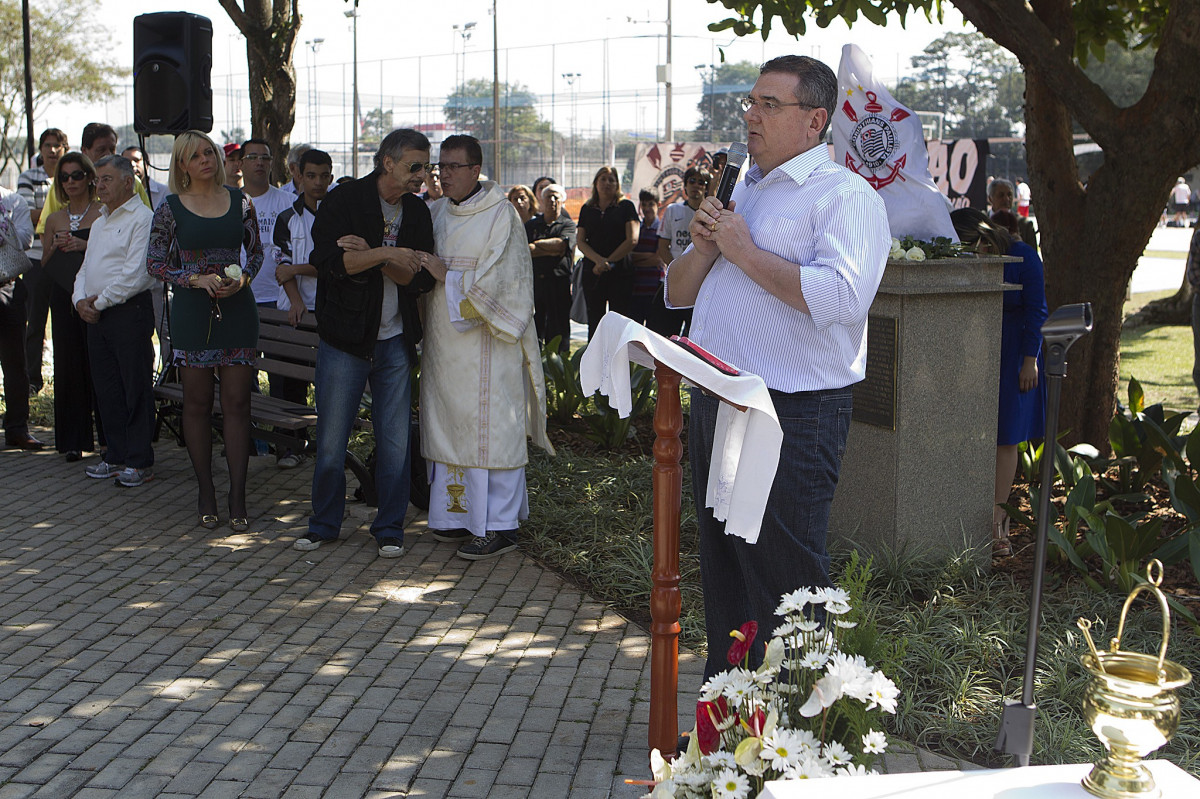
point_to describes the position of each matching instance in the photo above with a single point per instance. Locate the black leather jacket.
(349, 306)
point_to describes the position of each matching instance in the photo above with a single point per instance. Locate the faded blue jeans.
(744, 581)
(340, 380)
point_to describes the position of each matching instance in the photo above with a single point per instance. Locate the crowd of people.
(433, 263)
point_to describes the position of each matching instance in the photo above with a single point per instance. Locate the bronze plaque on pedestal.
(875, 395)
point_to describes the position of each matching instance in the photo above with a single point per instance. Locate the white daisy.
(852, 770)
(739, 687)
(882, 693)
(729, 784)
(782, 749)
(813, 660)
(836, 755)
(720, 760)
(874, 742)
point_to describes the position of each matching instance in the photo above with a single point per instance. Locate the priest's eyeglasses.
(769, 107)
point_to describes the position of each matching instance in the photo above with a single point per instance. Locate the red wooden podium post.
(664, 593)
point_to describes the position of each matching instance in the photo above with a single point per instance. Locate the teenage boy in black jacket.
(369, 243)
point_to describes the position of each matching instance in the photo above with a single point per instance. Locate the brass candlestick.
(1131, 703)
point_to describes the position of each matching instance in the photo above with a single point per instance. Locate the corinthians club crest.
(874, 140)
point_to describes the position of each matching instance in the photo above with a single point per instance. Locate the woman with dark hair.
(1022, 410)
(63, 244)
(196, 244)
(607, 233)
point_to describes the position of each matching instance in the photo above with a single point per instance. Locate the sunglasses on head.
(79, 175)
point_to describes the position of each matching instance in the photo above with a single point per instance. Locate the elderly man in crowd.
(367, 240)
(112, 294)
(482, 388)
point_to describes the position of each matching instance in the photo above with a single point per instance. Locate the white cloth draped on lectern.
(746, 444)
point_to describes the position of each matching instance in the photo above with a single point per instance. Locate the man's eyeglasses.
(417, 166)
(769, 106)
(79, 175)
(451, 167)
(256, 158)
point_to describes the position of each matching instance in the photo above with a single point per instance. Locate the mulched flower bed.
(1179, 581)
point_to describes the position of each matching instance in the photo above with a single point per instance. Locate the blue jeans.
(744, 581)
(340, 380)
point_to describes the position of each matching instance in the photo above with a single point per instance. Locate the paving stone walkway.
(144, 656)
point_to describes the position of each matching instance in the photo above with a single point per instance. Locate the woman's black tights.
(235, 413)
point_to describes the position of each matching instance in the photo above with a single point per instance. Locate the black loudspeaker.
(172, 72)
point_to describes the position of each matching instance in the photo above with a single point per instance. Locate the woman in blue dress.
(196, 244)
(1022, 410)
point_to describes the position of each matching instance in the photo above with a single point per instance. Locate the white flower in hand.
(233, 271)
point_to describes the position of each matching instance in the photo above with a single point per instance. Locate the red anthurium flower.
(707, 734)
(757, 722)
(742, 639)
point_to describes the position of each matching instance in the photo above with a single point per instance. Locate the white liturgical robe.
(482, 389)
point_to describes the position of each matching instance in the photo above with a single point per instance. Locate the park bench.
(287, 351)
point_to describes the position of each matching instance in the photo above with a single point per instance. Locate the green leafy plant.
(564, 394)
(1142, 441)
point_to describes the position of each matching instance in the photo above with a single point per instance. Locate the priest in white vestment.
(482, 390)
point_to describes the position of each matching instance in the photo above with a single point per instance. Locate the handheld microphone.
(733, 168)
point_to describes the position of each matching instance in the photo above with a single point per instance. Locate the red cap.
(231, 148)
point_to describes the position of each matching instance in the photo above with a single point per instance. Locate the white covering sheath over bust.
(746, 445)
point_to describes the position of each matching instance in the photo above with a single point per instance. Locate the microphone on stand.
(733, 168)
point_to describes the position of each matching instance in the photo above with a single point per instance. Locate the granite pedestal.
(919, 468)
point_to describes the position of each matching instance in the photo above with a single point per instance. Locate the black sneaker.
(391, 547)
(308, 543)
(491, 545)
(459, 536)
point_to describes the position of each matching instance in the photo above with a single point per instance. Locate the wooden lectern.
(618, 336)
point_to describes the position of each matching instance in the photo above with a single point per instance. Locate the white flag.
(882, 141)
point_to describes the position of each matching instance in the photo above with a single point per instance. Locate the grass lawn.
(1160, 358)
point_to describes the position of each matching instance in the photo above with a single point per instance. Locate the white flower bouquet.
(910, 249)
(808, 711)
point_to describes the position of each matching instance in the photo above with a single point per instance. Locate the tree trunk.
(272, 102)
(1092, 238)
(1173, 310)
(269, 27)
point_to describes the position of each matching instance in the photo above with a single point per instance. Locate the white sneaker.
(131, 477)
(102, 470)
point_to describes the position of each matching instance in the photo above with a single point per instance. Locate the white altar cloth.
(1033, 782)
(745, 444)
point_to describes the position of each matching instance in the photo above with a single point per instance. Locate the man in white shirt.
(269, 203)
(112, 294)
(781, 282)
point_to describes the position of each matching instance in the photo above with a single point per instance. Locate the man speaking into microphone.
(781, 279)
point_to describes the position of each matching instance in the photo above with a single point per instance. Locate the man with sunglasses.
(674, 236)
(781, 281)
(482, 389)
(369, 238)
